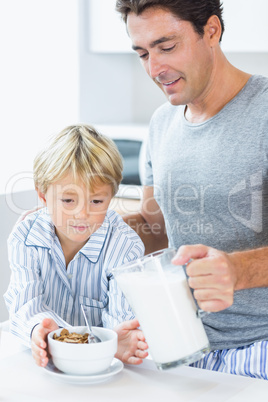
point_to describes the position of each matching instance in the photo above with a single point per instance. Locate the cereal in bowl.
(71, 337)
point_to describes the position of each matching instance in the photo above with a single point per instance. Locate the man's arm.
(149, 223)
(213, 274)
(251, 268)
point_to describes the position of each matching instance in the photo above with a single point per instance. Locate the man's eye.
(168, 49)
(143, 56)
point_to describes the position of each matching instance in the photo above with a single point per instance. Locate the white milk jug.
(159, 294)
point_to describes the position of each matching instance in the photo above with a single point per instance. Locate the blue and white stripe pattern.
(251, 360)
(41, 286)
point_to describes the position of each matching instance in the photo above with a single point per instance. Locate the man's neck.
(226, 84)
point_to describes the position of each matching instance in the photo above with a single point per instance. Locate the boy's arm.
(23, 297)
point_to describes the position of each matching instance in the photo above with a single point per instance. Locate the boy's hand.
(131, 342)
(39, 341)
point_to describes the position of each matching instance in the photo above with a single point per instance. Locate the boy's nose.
(82, 212)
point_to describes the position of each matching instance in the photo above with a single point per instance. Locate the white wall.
(109, 83)
(10, 207)
(39, 81)
(251, 62)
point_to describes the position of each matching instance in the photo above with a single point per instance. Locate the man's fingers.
(211, 294)
(219, 282)
(185, 253)
(216, 265)
(212, 300)
(214, 306)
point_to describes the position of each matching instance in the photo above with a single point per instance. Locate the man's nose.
(155, 67)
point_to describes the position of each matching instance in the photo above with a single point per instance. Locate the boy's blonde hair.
(83, 152)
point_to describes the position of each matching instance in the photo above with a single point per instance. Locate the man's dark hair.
(195, 11)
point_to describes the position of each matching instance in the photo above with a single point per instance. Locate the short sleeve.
(146, 172)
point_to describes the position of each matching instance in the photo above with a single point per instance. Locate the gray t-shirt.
(211, 182)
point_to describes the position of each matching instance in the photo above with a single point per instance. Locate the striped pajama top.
(41, 286)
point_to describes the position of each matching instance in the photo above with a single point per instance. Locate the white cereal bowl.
(83, 359)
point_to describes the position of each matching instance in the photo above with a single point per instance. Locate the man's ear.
(213, 30)
(41, 196)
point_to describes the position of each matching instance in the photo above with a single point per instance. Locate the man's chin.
(173, 100)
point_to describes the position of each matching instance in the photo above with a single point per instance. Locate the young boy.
(61, 256)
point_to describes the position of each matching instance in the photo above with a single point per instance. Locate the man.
(206, 178)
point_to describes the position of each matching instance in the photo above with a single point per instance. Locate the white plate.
(115, 367)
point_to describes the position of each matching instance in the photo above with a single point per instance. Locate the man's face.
(178, 59)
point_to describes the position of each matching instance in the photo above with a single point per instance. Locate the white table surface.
(22, 380)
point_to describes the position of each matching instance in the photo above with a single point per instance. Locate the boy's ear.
(41, 196)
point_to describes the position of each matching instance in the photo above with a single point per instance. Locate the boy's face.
(75, 211)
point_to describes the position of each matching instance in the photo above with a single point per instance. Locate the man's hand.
(26, 213)
(211, 275)
(39, 341)
(131, 342)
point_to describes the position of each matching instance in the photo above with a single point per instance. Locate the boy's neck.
(69, 253)
(69, 248)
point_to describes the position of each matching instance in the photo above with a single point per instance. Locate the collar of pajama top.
(42, 234)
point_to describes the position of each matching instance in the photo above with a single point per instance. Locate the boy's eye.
(96, 202)
(67, 200)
